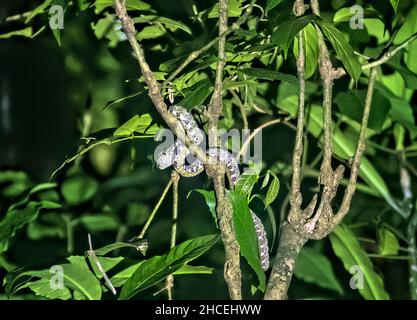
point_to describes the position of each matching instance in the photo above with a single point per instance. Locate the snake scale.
(176, 156)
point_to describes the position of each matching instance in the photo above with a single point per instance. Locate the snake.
(176, 156)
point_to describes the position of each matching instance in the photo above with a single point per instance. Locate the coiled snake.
(176, 154)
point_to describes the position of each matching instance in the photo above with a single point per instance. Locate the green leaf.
(266, 74)
(395, 4)
(234, 9)
(311, 49)
(26, 32)
(108, 28)
(17, 217)
(50, 225)
(42, 288)
(77, 277)
(400, 111)
(6, 265)
(150, 32)
(387, 242)
(266, 180)
(272, 192)
(246, 182)
(408, 28)
(79, 189)
(14, 183)
(57, 35)
(169, 23)
(246, 235)
(210, 199)
(232, 84)
(100, 5)
(345, 14)
(196, 94)
(271, 4)
(377, 28)
(187, 269)
(351, 104)
(287, 30)
(98, 222)
(38, 10)
(410, 78)
(115, 246)
(343, 49)
(347, 248)
(157, 268)
(314, 267)
(271, 216)
(137, 124)
(121, 277)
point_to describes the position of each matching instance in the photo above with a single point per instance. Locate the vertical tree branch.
(360, 148)
(290, 241)
(290, 244)
(216, 103)
(326, 72)
(175, 177)
(295, 198)
(232, 272)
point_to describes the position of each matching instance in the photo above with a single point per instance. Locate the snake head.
(164, 160)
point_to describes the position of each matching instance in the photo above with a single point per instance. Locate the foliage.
(108, 184)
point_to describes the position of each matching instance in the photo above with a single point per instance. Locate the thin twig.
(175, 177)
(91, 253)
(155, 209)
(360, 148)
(216, 103)
(389, 54)
(255, 132)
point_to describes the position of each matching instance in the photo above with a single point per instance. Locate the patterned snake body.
(176, 155)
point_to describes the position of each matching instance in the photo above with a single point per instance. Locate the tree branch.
(360, 148)
(232, 272)
(155, 209)
(290, 241)
(386, 56)
(175, 177)
(290, 244)
(389, 54)
(216, 171)
(255, 132)
(295, 197)
(154, 90)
